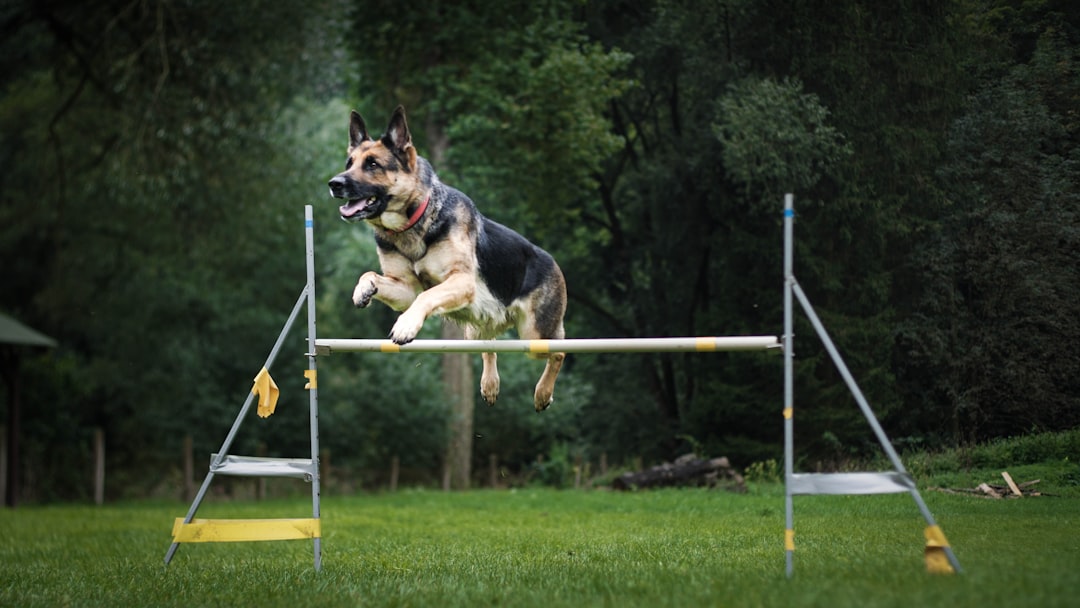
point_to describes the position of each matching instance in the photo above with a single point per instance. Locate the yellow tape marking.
(389, 347)
(788, 413)
(937, 562)
(539, 346)
(313, 379)
(237, 530)
(706, 345)
(789, 540)
(935, 537)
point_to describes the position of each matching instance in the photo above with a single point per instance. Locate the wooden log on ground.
(687, 470)
(1012, 484)
(998, 491)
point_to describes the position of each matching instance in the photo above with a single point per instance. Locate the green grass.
(1054, 453)
(552, 548)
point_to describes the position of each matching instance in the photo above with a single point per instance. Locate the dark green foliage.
(989, 348)
(157, 156)
(151, 216)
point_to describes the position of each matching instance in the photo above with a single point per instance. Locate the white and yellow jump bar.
(328, 346)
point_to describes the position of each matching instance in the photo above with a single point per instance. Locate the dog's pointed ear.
(357, 130)
(398, 138)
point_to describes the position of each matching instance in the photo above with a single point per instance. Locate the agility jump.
(586, 345)
(938, 553)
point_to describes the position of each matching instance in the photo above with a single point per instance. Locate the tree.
(515, 97)
(145, 212)
(892, 77)
(1001, 276)
(684, 239)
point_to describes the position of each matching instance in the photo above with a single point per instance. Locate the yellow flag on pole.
(267, 390)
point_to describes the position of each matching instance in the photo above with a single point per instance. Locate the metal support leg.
(224, 451)
(868, 413)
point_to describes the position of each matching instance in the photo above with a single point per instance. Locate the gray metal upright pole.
(313, 391)
(789, 381)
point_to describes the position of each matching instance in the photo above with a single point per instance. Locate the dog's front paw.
(364, 291)
(406, 328)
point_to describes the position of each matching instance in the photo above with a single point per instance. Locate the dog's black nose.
(337, 186)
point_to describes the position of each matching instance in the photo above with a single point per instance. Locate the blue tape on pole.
(789, 213)
(308, 223)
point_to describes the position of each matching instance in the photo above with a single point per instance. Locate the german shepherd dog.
(440, 256)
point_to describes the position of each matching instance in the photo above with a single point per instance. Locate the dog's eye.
(348, 164)
(371, 164)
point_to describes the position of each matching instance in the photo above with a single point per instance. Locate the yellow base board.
(238, 530)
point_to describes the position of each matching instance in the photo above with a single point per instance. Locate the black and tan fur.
(452, 261)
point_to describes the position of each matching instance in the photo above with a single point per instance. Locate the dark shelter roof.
(13, 332)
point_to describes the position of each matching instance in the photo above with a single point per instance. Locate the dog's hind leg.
(543, 320)
(545, 388)
(489, 378)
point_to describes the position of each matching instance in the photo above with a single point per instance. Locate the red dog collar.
(415, 217)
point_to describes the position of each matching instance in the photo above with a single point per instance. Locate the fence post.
(395, 471)
(189, 468)
(3, 462)
(99, 466)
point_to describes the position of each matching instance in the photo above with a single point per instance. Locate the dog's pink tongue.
(352, 207)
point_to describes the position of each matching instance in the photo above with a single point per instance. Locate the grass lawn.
(539, 547)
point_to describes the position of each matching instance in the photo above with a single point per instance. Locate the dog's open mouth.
(359, 208)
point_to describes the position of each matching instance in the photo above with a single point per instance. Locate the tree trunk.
(456, 367)
(458, 390)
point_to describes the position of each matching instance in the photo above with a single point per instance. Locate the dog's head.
(380, 179)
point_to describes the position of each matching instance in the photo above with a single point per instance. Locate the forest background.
(157, 155)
